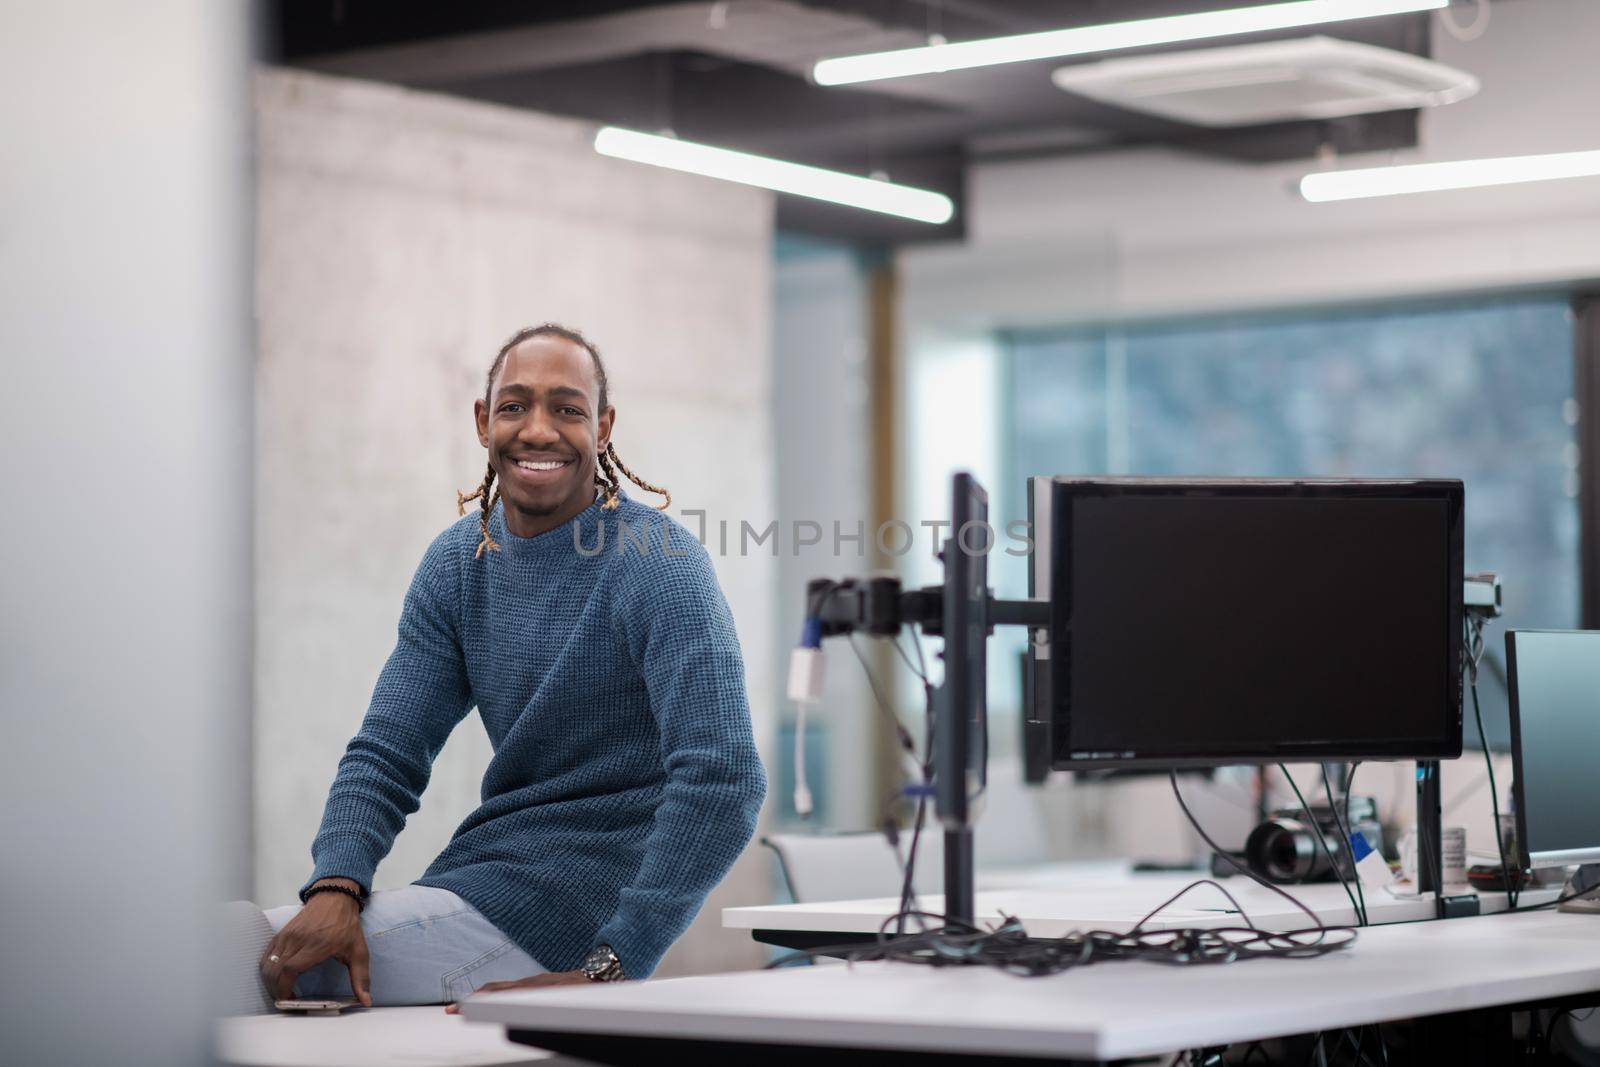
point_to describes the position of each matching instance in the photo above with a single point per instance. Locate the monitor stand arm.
(1430, 835)
(960, 872)
(879, 606)
(1430, 848)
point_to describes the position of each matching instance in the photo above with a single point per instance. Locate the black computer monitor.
(1210, 621)
(1555, 727)
(1036, 753)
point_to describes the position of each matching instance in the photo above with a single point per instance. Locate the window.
(1479, 391)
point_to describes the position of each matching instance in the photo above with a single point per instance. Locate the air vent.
(1280, 81)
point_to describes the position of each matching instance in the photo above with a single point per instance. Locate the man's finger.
(454, 1008)
(266, 962)
(292, 966)
(272, 960)
(274, 948)
(283, 982)
(361, 976)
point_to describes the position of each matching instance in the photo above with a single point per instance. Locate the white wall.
(125, 427)
(403, 237)
(1151, 231)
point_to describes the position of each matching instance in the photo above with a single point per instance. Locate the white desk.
(1104, 1011)
(382, 1037)
(1100, 899)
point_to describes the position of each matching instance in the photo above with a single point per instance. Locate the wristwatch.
(602, 965)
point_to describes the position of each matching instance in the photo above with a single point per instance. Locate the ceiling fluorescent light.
(1081, 40)
(815, 182)
(1433, 177)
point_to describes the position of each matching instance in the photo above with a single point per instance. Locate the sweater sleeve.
(682, 636)
(422, 693)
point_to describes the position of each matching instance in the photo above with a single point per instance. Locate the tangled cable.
(1008, 947)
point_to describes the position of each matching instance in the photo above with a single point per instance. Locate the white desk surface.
(1055, 900)
(1104, 1011)
(382, 1037)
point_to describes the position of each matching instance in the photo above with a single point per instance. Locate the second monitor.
(1202, 621)
(1555, 708)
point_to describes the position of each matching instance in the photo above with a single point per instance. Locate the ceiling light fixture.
(851, 190)
(1459, 174)
(1081, 40)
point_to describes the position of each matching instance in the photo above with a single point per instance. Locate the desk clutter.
(941, 942)
(1181, 623)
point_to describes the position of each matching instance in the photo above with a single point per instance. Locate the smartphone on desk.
(315, 1005)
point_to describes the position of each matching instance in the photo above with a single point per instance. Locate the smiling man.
(625, 778)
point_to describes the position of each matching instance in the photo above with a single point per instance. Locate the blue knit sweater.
(625, 779)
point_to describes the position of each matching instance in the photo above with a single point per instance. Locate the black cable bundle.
(1008, 947)
(944, 942)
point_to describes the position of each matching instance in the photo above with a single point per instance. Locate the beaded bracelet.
(359, 898)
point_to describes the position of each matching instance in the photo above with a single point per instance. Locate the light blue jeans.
(428, 946)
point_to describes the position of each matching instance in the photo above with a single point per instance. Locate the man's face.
(542, 429)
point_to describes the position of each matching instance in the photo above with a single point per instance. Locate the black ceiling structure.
(734, 74)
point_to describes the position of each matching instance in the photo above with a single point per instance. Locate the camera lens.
(1285, 850)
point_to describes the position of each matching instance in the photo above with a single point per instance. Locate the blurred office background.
(257, 261)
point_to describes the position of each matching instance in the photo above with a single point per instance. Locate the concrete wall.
(403, 237)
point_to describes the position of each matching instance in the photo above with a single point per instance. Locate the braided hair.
(607, 463)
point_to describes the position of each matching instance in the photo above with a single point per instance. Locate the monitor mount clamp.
(1481, 601)
(879, 606)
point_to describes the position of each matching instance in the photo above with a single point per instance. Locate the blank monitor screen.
(1254, 620)
(1555, 715)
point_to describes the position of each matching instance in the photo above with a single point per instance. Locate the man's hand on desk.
(327, 927)
(537, 981)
